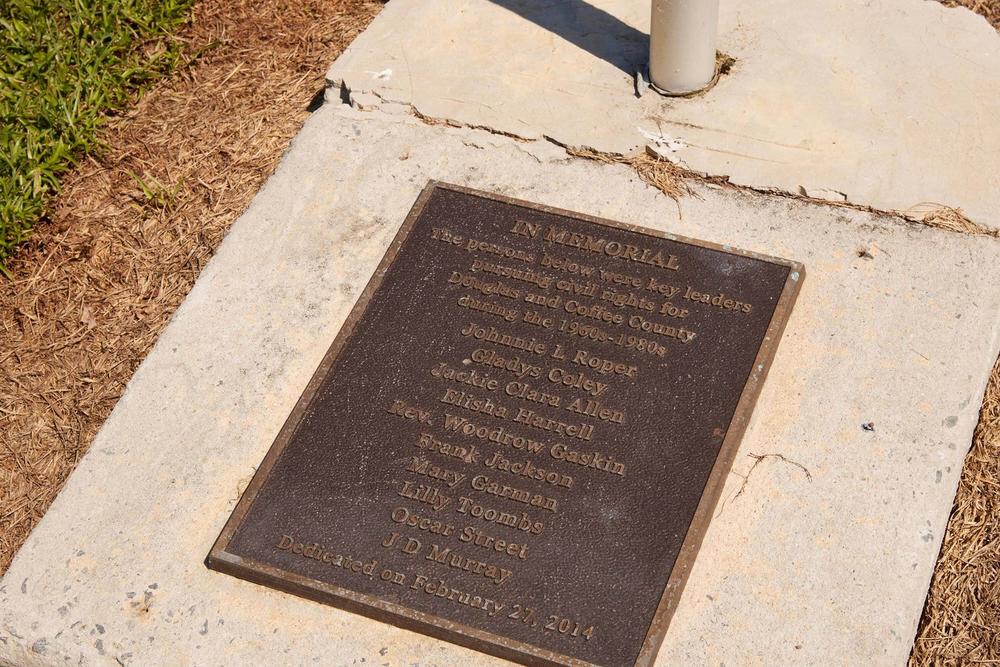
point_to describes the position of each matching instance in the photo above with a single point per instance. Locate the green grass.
(64, 64)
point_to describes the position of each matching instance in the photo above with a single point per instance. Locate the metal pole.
(682, 45)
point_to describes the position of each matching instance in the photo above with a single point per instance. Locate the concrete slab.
(891, 104)
(821, 553)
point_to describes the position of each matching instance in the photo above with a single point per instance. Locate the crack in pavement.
(946, 218)
(758, 459)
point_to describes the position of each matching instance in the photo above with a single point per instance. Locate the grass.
(64, 65)
(132, 228)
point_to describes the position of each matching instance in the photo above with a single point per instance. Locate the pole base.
(723, 64)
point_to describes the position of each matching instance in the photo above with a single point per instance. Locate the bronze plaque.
(516, 441)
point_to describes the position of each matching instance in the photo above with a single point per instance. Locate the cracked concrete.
(672, 173)
(890, 105)
(800, 568)
(757, 460)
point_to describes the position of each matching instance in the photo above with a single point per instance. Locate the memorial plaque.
(517, 438)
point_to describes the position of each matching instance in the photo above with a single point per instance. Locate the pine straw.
(961, 622)
(133, 228)
(950, 218)
(657, 172)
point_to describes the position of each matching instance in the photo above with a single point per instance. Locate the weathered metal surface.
(517, 438)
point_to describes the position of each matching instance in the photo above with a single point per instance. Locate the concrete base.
(820, 553)
(891, 104)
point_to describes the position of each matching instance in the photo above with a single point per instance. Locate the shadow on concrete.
(588, 27)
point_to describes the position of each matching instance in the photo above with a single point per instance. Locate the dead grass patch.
(961, 621)
(950, 218)
(133, 228)
(662, 174)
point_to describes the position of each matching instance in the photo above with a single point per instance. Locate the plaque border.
(220, 560)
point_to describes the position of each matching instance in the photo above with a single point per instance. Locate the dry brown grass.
(657, 172)
(98, 282)
(950, 218)
(961, 622)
